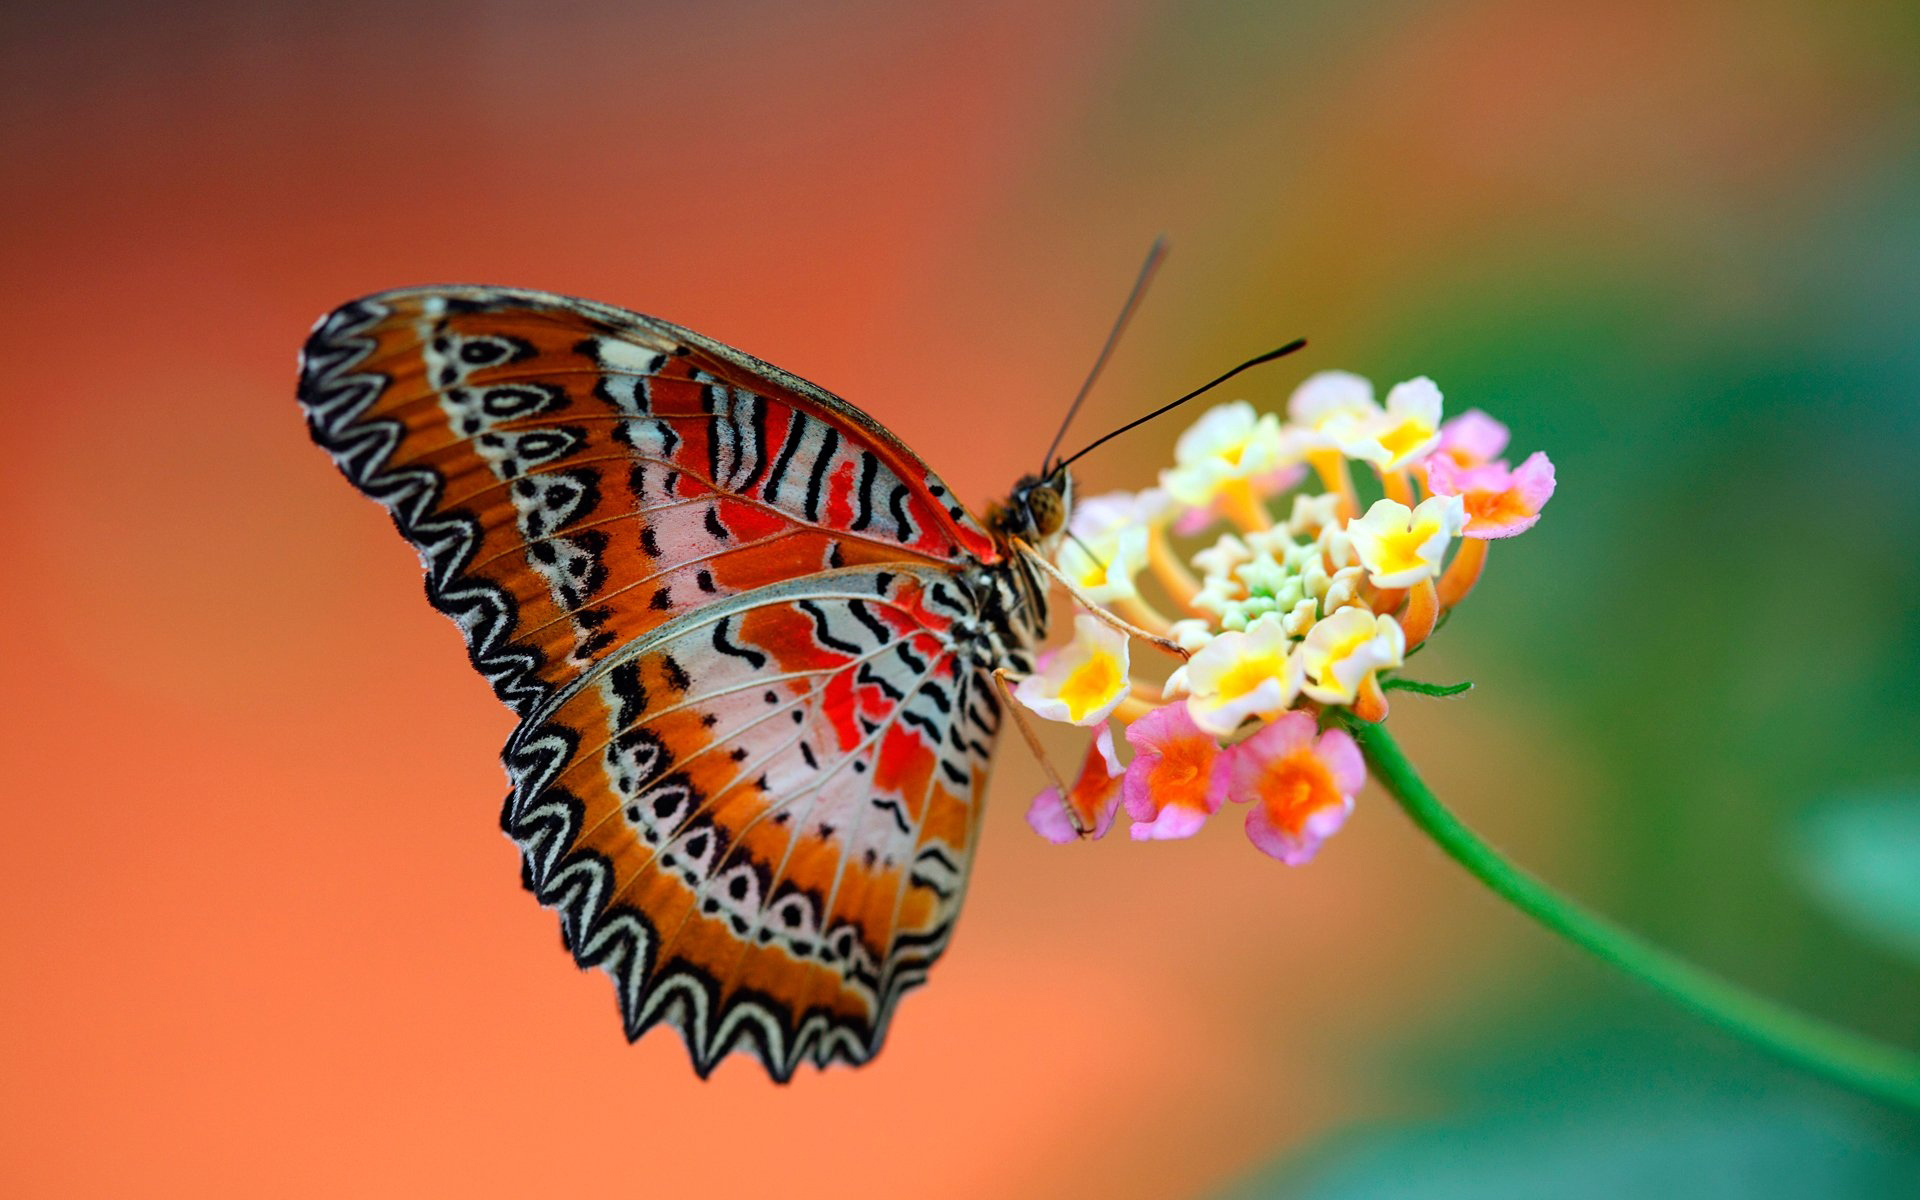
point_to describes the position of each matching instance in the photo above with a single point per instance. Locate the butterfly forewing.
(597, 471)
(735, 617)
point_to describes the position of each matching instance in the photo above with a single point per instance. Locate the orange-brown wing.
(574, 475)
(759, 817)
(737, 619)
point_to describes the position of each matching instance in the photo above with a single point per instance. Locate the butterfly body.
(749, 636)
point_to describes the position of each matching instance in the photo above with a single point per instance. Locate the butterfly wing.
(733, 615)
(758, 818)
(574, 475)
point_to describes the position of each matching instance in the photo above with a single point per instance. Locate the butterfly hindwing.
(738, 621)
(758, 819)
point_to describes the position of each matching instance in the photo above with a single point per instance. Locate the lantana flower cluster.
(1295, 603)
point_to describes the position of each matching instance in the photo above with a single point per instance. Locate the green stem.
(1846, 1058)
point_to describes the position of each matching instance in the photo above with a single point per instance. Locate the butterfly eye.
(1048, 510)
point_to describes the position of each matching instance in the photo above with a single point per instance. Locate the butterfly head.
(1036, 512)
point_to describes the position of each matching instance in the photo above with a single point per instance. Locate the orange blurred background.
(262, 933)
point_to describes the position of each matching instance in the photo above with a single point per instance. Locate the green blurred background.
(1677, 249)
(1675, 246)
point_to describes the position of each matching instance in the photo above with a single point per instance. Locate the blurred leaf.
(1397, 684)
(1627, 1100)
(1860, 855)
(1755, 1149)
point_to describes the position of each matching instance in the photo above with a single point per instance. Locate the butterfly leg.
(1099, 613)
(1000, 677)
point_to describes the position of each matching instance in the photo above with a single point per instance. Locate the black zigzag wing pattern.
(335, 394)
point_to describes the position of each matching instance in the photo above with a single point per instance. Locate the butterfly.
(749, 635)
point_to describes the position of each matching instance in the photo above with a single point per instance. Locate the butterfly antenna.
(1202, 390)
(1155, 254)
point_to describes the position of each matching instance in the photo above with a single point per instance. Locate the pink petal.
(1247, 761)
(1152, 737)
(1344, 760)
(1491, 531)
(1440, 475)
(1173, 822)
(1169, 723)
(1134, 795)
(1295, 851)
(1533, 480)
(1271, 842)
(1217, 784)
(1096, 792)
(1472, 437)
(1530, 486)
(1448, 478)
(1047, 815)
(1103, 815)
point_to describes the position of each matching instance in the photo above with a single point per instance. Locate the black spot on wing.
(595, 644)
(632, 694)
(593, 618)
(676, 674)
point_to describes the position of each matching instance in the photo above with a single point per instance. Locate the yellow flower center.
(1340, 652)
(1090, 685)
(1401, 551)
(1403, 438)
(1249, 673)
